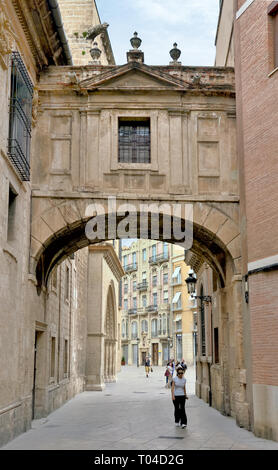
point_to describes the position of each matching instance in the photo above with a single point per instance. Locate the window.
(154, 252)
(177, 276)
(144, 254)
(134, 302)
(216, 346)
(66, 358)
(123, 329)
(125, 305)
(155, 299)
(273, 13)
(177, 301)
(134, 259)
(11, 214)
(125, 288)
(134, 329)
(154, 280)
(165, 250)
(125, 261)
(52, 357)
(134, 141)
(144, 301)
(165, 278)
(179, 347)
(67, 282)
(154, 328)
(20, 117)
(165, 297)
(134, 286)
(144, 326)
(178, 325)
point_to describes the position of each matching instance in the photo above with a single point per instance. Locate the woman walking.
(168, 374)
(179, 396)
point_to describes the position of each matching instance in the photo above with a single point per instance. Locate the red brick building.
(252, 31)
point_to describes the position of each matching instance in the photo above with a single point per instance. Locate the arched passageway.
(215, 243)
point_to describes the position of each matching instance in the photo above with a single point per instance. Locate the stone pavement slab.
(136, 413)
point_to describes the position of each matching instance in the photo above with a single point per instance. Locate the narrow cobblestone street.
(136, 413)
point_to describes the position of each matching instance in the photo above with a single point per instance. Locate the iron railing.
(20, 122)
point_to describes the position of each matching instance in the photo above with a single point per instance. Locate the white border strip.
(244, 8)
(262, 263)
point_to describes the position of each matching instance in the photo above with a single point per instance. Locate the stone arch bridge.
(190, 113)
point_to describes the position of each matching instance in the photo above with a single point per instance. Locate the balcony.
(130, 267)
(142, 286)
(163, 334)
(161, 258)
(132, 311)
(152, 308)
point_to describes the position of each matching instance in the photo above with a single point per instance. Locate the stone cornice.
(110, 257)
(40, 31)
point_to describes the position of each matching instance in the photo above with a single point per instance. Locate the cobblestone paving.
(136, 413)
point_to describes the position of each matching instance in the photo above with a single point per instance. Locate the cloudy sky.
(160, 23)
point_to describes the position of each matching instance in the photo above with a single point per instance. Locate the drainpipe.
(54, 7)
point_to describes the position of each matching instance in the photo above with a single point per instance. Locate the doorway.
(155, 354)
(144, 355)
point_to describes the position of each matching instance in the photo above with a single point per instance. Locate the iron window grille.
(134, 141)
(20, 122)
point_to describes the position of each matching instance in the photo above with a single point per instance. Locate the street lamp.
(191, 287)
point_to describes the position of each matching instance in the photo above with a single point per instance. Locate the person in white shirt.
(179, 396)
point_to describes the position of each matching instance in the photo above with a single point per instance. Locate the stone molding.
(111, 259)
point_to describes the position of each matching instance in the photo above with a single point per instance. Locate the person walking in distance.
(179, 396)
(147, 366)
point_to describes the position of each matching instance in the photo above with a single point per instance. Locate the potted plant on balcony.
(123, 361)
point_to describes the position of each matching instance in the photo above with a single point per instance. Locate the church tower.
(78, 17)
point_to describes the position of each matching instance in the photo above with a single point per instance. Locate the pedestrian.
(147, 366)
(183, 365)
(168, 374)
(179, 396)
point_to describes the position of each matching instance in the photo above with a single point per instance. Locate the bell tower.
(79, 17)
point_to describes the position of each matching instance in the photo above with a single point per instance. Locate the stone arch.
(58, 230)
(110, 331)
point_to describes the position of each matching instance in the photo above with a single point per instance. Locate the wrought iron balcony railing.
(130, 267)
(142, 286)
(132, 311)
(152, 308)
(161, 258)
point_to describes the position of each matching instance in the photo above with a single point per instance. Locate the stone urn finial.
(135, 41)
(175, 52)
(95, 52)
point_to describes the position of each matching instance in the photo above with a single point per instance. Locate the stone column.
(95, 334)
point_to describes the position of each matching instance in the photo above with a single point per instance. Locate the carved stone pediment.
(133, 76)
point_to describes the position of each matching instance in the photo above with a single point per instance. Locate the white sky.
(160, 23)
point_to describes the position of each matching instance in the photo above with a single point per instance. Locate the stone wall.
(78, 17)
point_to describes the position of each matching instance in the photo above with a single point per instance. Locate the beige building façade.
(157, 320)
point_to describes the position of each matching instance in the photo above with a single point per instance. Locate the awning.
(177, 319)
(176, 272)
(176, 298)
